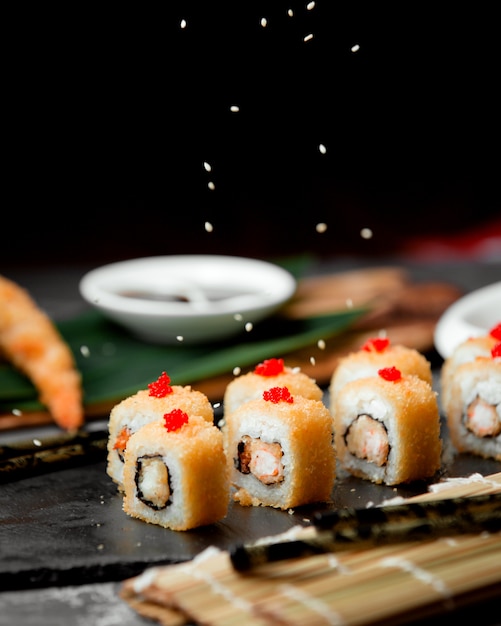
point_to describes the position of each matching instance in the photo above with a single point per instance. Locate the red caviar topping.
(278, 394)
(390, 373)
(496, 351)
(270, 367)
(376, 344)
(496, 331)
(175, 419)
(161, 387)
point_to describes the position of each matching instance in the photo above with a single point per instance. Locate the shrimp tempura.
(29, 339)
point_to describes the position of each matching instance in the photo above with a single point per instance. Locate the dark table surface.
(65, 543)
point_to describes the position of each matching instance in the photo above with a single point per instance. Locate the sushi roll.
(269, 373)
(279, 450)
(175, 473)
(375, 354)
(474, 408)
(387, 428)
(466, 351)
(149, 405)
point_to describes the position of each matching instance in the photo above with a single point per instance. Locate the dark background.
(111, 112)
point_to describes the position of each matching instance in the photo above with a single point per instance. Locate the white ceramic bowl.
(187, 298)
(472, 315)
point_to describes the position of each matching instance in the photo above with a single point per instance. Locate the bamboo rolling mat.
(380, 585)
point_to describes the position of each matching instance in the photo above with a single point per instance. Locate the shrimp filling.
(482, 419)
(262, 459)
(152, 482)
(367, 438)
(121, 442)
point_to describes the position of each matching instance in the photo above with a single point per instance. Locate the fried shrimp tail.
(32, 343)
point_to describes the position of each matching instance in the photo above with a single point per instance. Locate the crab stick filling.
(367, 438)
(482, 419)
(152, 482)
(260, 458)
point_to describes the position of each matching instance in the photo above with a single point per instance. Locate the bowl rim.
(93, 289)
(456, 323)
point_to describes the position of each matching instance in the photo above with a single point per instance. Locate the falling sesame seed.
(264, 22)
(183, 23)
(180, 338)
(312, 360)
(308, 37)
(216, 405)
(366, 233)
(100, 546)
(17, 412)
(208, 227)
(238, 317)
(84, 350)
(207, 166)
(290, 12)
(355, 48)
(37, 442)
(322, 148)
(236, 371)
(249, 326)
(211, 185)
(321, 227)
(310, 6)
(234, 108)
(321, 344)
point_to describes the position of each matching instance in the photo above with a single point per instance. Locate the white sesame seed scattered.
(207, 166)
(322, 148)
(234, 108)
(355, 48)
(321, 344)
(264, 22)
(84, 350)
(308, 37)
(180, 338)
(349, 303)
(290, 12)
(238, 317)
(221, 422)
(366, 233)
(208, 227)
(37, 442)
(236, 371)
(17, 412)
(183, 23)
(211, 185)
(296, 369)
(249, 326)
(216, 405)
(312, 360)
(321, 227)
(310, 6)
(100, 546)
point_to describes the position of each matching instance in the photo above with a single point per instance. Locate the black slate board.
(67, 527)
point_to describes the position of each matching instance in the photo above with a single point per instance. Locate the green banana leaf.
(114, 364)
